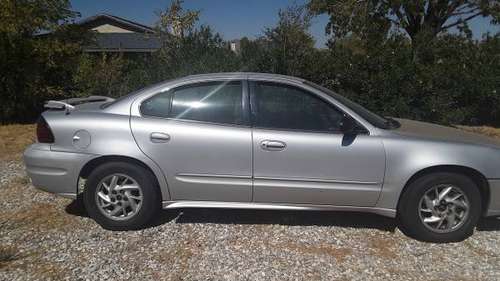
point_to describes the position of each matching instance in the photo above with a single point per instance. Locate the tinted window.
(286, 107)
(369, 116)
(209, 102)
(158, 105)
(215, 102)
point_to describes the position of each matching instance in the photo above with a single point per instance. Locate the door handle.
(272, 145)
(159, 137)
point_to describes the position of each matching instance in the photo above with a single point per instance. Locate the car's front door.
(199, 136)
(300, 155)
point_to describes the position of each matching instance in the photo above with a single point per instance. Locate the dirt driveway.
(44, 237)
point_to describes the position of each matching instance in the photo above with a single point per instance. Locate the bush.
(455, 80)
(35, 67)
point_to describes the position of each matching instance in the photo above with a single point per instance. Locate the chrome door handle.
(272, 145)
(159, 137)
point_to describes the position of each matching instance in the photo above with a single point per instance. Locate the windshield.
(372, 118)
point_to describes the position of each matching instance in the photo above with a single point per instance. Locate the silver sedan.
(261, 141)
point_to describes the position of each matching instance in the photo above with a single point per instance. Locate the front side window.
(280, 106)
(372, 118)
(214, 102)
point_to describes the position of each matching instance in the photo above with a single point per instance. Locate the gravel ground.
(10, 170)
(43, 237)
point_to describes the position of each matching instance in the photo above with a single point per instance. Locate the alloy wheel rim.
(119, 197)
(444, 208)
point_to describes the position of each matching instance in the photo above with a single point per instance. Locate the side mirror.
(348, 125)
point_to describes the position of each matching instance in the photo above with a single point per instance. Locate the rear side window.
(158, 105)
(214, 102)
(280, 106)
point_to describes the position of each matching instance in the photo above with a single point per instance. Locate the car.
(261, 141)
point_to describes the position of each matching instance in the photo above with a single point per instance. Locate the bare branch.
(454, 6)
(465, 12)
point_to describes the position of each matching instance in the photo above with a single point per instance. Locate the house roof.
(101, 19)
(124, 42)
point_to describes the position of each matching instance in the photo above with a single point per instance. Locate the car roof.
(241, 75)
(123, 103)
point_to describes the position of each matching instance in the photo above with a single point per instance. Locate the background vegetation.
(397, 58)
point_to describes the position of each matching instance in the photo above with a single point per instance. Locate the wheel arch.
(95, 162)
(472, 173)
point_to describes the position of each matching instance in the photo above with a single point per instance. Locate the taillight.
(43, 132)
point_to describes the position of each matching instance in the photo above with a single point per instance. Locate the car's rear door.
(199, 135)
(300, 155)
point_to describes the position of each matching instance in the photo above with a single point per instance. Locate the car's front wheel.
(121, 196)
(440, 207)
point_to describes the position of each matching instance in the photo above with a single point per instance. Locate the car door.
(300, 155)
(199, 136)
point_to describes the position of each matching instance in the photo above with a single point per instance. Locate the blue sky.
(231, 18)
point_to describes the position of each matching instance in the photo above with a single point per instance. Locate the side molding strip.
(318, 180)
(215, 179)
(275, 206)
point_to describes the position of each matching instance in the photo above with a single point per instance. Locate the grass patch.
(484, 130)
(12, 260)
(14, 139)
(39, 216)
(325, 249)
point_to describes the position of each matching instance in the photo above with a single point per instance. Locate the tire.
(413, 208)
(124, 195)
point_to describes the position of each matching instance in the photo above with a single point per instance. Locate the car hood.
(416, 129)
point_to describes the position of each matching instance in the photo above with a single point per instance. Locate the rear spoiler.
(69, 104)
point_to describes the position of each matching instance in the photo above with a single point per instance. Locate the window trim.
(244, 105)
(253, 100)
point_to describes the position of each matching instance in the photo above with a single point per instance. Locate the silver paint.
(326, 157)
(275, 206)
(199, 164)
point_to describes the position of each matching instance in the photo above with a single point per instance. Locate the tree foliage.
(186, 48)
(456, 80)
(34, 67)
(174, 20)
(456, 83)
(289, 42)
(420, 19)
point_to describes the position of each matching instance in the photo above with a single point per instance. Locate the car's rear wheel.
(440, 207)
(121, 196)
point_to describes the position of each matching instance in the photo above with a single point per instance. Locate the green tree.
(35, 66)
(255, 56)
(421, 20)
(455, 83)
(187, 49)
(100, 74)
(175, 20)
(289, 44)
